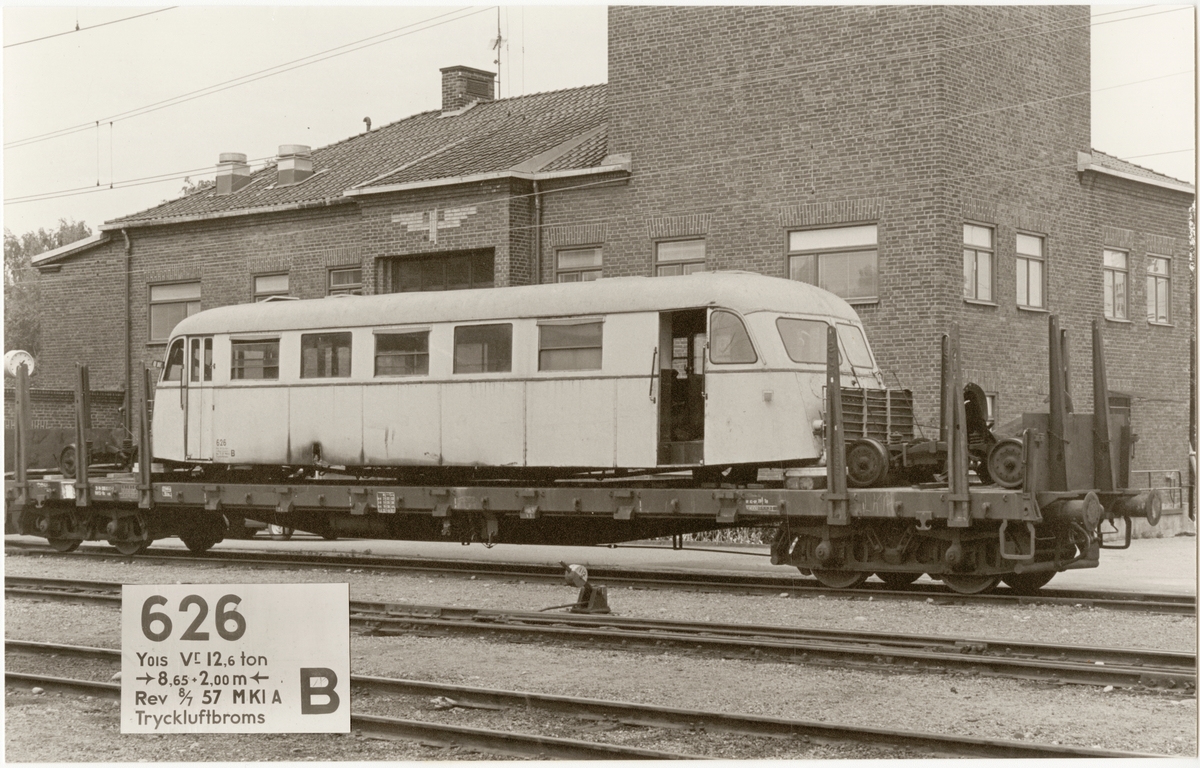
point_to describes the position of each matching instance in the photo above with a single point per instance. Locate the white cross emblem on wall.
(428, 222)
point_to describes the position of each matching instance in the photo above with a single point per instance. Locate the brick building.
(932, 164)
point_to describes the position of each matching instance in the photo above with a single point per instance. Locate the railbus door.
(682, 337)
(199, 398)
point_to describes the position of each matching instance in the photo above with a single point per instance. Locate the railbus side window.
(257, 359)
(173, 371)
(804, 340)
(728, 341)
(325, 355)
(483, 348)
(402, 354)
(855, 345)
(570, 345)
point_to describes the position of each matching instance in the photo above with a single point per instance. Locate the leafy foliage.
(22, 321)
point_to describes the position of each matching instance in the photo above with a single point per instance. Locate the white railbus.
(709, 372)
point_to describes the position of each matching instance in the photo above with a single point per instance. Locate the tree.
(22, 321)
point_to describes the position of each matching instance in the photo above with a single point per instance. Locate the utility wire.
(261, 74)
(94, 26)
(823, 66)
(678, 168)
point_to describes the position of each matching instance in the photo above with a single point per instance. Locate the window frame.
(425, 331)
(259, 296)
(1115, 272)
(741, 323)
(579, 273)
(559, 323)
(821, 254)
(970, 250)
(1028, 258)
(486, 370)
(346, 289)
(334, 367)
(1156, 279)
(234, 369)
(684, 264)
(152, 303)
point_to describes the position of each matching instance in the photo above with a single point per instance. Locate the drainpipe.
(128, 330)
(537, 234)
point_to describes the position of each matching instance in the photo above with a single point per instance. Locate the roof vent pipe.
(232, 173)
(295, 163)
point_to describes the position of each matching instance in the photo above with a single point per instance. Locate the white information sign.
(235, 658)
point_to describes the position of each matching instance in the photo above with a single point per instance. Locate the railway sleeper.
(968, 561)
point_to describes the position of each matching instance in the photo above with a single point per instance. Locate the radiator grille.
(883, 414)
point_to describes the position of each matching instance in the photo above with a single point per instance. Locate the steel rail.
(1140, 667)
(481, 739)
(647, 715)
(794, 586)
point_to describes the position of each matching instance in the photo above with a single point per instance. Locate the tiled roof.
(1111, 163)
(486, 138)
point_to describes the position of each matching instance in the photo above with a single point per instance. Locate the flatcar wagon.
(715, 373)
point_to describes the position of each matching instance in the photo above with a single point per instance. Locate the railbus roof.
(743, 292)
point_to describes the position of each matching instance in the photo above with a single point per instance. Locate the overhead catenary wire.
(824, 65)
(86, 29)
(167, 176)
(261, 74)
(708, 163)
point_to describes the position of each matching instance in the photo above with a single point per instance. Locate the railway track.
(795, 586)
(1127, 668)
(530, 745)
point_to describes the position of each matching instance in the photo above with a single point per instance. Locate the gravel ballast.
(939, 703)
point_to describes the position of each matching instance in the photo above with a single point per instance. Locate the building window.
(169, 304)
(268, 286)
(1031, 271)
(444, 272)
(254, 359)
(678, 257)
(728, 341)
(579, 264)
(483, 348)
(402, 354)
(1116, 285)
(993, 406)
(978, 259)
(570, 345)
(1158, 289)
(346, 281)
(325, 355)
(842, 260)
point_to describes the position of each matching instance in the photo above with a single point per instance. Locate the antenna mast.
(496, 47)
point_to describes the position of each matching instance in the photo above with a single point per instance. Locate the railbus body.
(715, 370)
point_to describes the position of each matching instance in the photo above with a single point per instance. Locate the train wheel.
(1006, 463)
(131, 547)
(867, 463)
(840, 579)
(897, 579)
(969, 584)
(1028, 583)
(64, 545)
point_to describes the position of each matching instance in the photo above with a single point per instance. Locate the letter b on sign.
(317, 681)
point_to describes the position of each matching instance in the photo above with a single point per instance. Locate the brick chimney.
(295, 163)
(232, 173)
(462, 86)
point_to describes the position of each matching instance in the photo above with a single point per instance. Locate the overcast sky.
(344, 64)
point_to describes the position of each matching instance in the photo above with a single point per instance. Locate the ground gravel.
(941, 703)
